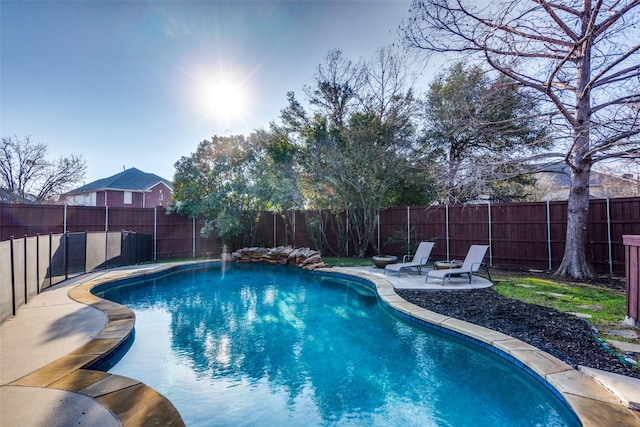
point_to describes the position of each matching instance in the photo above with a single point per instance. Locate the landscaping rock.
(562, 335)
(306, 258)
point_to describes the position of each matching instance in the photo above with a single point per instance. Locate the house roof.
(561, 174)
(131, 179)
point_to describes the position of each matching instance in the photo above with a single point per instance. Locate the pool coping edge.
(135, 404)
(130, 401)
(593, 404)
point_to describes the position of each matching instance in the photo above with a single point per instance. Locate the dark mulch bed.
(562, 335)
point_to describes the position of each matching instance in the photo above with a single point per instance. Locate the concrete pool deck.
(46, 348)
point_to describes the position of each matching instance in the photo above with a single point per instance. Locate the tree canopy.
(357, 142)
(224, 182)
(581, 56)
(472, 120)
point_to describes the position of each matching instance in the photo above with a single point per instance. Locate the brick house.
(554, 183)
(129, 188)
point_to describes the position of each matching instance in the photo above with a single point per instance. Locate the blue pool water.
(276, 346)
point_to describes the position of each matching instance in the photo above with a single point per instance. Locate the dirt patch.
(562, 335)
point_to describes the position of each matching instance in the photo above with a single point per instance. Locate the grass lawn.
(607, 307)
(346, 261)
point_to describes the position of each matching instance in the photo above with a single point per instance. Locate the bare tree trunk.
(574, 262)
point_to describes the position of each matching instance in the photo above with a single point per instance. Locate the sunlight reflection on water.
(277, 346)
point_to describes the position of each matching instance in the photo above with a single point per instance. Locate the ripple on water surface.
(273, 346)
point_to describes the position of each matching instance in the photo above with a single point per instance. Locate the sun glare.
(225, 100)
(221, 98)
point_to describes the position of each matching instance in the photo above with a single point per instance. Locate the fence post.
(106, 236)
(66, 253)
(86, 248)
(26, 284)
(378, 224)
(50, 259)
(193, 237)
(38, 264)
(274, 229)
(446, 212)
(408, 230)
(490, 237)
(549, 235)
(64, 226)
(13, 280)
(609, 237)
(155, 233)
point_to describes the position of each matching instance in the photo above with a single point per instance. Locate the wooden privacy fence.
(30, 264)
(527, 235)
(173, 236)
(521, 235)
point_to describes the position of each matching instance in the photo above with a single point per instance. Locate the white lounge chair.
(419, 260)
(471, 264)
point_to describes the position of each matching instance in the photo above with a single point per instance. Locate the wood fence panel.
(334, 229)
(132, 219)
(428, 224)
(282, 231)
(598, 235)
(300, 232)
(85, 218)
(174, 236)
(468, 225)
(558, 226)
(632, 274)
(519, 235)
(264, 231)
(519, 232)
(290, 230)
(310, 222)
(275, 230)
(17, 220)
(393, 232)
(625, 220)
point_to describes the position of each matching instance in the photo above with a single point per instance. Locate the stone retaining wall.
(306, 258)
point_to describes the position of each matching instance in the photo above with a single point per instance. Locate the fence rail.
(30, 264)
(173, 235)
(520, 235)
(529, 235)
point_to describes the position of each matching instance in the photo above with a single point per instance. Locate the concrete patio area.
(409, 279)
(45, 350)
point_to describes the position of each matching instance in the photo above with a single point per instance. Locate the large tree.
(28, 176)
(472, 120)
(357, 142)
(282, 174)
(225, 181)
(582, 56)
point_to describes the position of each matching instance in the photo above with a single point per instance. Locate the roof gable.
(128, 180)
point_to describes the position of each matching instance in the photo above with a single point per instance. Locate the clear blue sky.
(125, 83)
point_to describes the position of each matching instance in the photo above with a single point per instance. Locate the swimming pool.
(256, 345)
